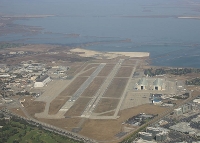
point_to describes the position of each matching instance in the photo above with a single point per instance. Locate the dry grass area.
(124, 72)
(61, 99)
(66, 123)
(35, 107)
(89, 66)
(129, 62)
(116, 88)
(56, 104)
(17, 111)
(106, 70)
(93, 87)
(89, 72)
(105, 130)
(78, 107)
(106, 105)
(71, 89)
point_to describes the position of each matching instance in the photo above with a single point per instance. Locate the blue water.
(151, 25)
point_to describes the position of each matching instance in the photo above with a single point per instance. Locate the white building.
(42, 81)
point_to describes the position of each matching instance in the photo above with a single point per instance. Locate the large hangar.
(150, 84)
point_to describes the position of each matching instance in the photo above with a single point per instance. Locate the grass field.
(124, 72)
(116, 88)
(78, 107)
(105, 130)
(106, 70)
(18, 131)
(56, 104)
(35, 107)
(93, 87)
(129, 62)
(71, 89)
(106, 105)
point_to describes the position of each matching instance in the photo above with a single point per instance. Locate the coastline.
(108, 55)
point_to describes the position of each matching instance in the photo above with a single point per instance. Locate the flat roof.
(41, 78)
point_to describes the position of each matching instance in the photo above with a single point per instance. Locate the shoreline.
(108, 55)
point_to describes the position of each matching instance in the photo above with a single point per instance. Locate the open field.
(93, 87)
(71, 89)
(56, 104)
(116, 88)
(134, 99)
(124, 72)
(89, 72)
(106, 104)
(35, 107)
(17, 111)
(129, 62)
(78, 107)
(65, 123)
(106, 70)
(89, 66)
(105, 130)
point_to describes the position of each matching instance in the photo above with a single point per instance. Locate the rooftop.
(41, 78)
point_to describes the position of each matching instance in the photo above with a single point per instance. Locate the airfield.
(99, 98)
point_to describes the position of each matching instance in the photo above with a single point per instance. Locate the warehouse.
(142, 84)
(42, 80)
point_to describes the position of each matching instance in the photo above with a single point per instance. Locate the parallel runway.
(95, 100)
(78, 93)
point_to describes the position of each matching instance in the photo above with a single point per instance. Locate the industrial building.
(152, 133)
(158, 84)
(150, 84)
(42, 81)
(184, 109)
(142, 84)
(145, 136)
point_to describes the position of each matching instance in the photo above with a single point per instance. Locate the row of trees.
(176, 71)
(195, 81)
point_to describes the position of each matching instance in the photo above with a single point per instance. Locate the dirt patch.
(66, 123)
(106, 70)
(18, 111)
(78, 107)
(129, 62)
(93, 87)
(106, 105)
(56, 104)
(35, 107)
(116, 88)
(124, 72)
(89, 72)
(105, 130)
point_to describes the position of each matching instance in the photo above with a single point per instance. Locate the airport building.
(150, 84)
(158, 84)
(42, 80)
(142, 84)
